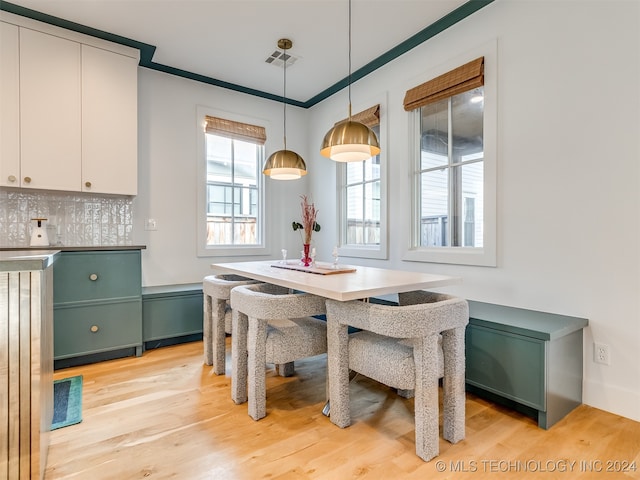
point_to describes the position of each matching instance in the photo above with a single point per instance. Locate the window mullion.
(342, 169)
(417, 184)
(364, 199)
(233, 192)
(453, 224)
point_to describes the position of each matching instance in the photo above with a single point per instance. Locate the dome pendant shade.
(350, 141)
(285, 165)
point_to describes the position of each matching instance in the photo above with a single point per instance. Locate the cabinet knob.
(87, 184)
(94, 328)
(27, 179)
(93, 277)
(12, 178)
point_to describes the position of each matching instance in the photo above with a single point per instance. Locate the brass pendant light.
(285, 164)
(350, 141)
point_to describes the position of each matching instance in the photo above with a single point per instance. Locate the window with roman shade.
(235, 130)
(450, 185)
(462, 79)
(232, 197)
(369, 117)
(362, 201)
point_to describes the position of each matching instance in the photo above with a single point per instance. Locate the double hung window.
(450, 175)
(362, 202)
(453, 212)
(233, 206)
(362, 208)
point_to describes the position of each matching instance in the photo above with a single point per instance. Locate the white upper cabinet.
(9, 106)
(50, 136)
(68, 110)
(109, 122)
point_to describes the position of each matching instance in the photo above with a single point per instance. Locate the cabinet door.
(171, 316)
(49, 111)
(92, 328)
(109, 122)
(89, 276)
(9, 106)
(509, 365)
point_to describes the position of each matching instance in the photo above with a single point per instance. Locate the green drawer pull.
(93, 277)
(94, 328)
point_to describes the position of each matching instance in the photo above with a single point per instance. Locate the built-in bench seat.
(171, 314)
(528, 360)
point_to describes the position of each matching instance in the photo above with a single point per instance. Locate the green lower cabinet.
(530, 360)
(86, 276)
(97, 306)
(90, 329)
(171, 314)
(510, 365)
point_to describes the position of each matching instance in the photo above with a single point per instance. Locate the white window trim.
(379, 252)
(204, 250)
(486, 255)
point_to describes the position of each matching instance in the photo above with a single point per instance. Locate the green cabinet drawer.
(171, 315)
(510, 365)
(85, 276)
(94, 328)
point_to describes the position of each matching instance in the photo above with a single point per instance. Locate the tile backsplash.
(73, 219)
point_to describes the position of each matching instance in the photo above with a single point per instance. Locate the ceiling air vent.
(277, 58)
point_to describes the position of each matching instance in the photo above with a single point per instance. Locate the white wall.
(167, 173)
(568, 175)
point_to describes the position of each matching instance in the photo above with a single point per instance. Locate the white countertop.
(26, 260)
(75, 248)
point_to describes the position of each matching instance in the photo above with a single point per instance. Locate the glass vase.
(306, 259)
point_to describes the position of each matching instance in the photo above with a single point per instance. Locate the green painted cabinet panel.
(509, 365)
(97, 305)
(171, 311)
(81, 276)
(528, 357)
(95, 328)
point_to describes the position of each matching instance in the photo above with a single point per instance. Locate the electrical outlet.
(601, 353)
(151, 224)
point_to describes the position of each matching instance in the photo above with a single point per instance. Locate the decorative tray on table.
(320, 268)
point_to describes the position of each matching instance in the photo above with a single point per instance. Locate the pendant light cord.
(284, 97)
(349, 60)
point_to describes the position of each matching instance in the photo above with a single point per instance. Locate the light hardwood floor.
(166, 415)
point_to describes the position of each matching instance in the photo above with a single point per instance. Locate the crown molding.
(147, 51)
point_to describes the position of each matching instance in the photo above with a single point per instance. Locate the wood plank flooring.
(166, 415)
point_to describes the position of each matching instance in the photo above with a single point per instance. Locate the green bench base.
(525, 359)
(171, 314)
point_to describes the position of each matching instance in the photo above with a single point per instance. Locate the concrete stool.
(271, 325)
(401, 347)
(216, 291)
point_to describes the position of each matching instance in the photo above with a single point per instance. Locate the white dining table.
(352, 282)
(344, 283)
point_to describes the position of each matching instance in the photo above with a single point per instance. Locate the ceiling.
(227, 42)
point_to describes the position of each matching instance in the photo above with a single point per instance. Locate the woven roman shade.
(458, 80)
(236, 130)
(369, 117)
